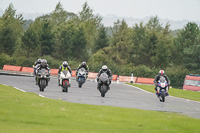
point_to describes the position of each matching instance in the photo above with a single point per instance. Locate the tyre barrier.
(145, 80)
(114, 77)
(27, 69)
(127, 79)
(91, 75)
(54, 71)
(73, 73)
(12, 68)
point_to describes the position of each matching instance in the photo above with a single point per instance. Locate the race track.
(120, 95)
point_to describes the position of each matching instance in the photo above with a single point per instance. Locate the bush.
(6, 60)
(177, 75)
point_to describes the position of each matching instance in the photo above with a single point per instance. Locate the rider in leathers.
(63, 67)
(85, 66)
(43, 65)
(157, 78)
(108, 71)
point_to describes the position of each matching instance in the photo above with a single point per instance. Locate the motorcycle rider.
(36, 64)
(43, 65)
(85, 66)
(157, 78)
(63, 67)
(108, 71)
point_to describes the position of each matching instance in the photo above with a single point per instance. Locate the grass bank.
(22, 112)
(192, 95)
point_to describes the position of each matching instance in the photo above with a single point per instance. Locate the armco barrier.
(145, 80)
(126, 79)
(12, 68)
(27, 69)
(54, 71)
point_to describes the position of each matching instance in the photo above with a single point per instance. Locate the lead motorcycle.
(104, 82)
(81, 77)
(65, 80)
(43, 77)
(162, 89)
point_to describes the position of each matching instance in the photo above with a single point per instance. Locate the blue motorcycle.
(81, 77)
(162, 89)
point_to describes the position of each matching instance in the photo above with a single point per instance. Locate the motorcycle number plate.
(162, 85)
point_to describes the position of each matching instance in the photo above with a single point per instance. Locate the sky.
(176, 10)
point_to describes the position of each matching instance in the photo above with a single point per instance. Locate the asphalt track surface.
(120, 95)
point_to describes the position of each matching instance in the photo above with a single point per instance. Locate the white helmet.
(65, 64)
(161, 72)
(104, 67)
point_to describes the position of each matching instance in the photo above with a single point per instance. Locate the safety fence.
(91, 75)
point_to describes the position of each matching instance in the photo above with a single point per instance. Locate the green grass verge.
(192, 95)
(22, 112)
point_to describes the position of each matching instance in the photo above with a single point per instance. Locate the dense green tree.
(187, 47)
(46, 39)
(122, 44)
(101, 40)
(139, 35)
(91, 23)
(11, 30)
(30, 43)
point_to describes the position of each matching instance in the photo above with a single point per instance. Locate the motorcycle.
(162, 89)
(104, 83)
(43, 77)
(65, 80)
(81, 77)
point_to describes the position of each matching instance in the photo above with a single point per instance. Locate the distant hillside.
(110, 19)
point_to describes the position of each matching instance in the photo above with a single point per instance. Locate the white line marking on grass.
(5, 84)
(19, 89)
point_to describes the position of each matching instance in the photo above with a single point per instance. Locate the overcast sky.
(170, 9)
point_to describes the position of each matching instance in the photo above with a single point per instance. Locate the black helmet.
(65, 64)
(104, 67)
(83, 63)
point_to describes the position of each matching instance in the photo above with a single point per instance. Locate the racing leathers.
(62, 68)
(157, 78)
(108, 71)
(85, 67)
(46, 66)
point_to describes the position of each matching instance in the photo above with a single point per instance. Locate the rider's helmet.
(39, 61)
(83, 63)
(104, 68)
(161, 72)
(65, 64)
(43, 62)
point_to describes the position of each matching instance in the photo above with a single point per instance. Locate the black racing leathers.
(108, 71)
(46, 67)
(85, 67)
(157, 79)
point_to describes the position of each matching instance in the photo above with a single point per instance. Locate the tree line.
(143, 49)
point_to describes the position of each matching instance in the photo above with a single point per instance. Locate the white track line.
(41, 95)
(19, 89)
(139, 89)
(23, 90)
(169, 96)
